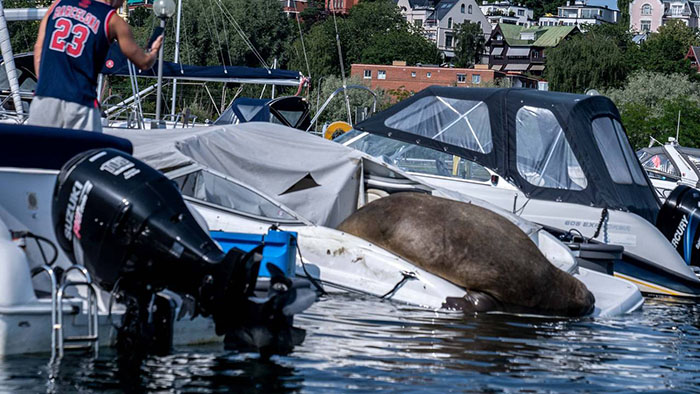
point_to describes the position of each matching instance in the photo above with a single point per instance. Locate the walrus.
(472, 247)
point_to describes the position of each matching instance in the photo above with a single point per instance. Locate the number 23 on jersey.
(59, 39)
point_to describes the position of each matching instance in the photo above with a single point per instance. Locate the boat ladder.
(58, 339)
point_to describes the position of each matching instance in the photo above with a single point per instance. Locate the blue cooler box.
(280, 248)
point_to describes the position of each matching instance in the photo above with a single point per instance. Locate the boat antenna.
(342, 66)
(678, 125)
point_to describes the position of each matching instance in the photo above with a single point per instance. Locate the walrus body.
(472, 247)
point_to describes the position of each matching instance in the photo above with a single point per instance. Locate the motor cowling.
(679, 219)
(129, 226)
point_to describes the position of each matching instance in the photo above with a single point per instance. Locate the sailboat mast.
(9, 59)
(177, 53)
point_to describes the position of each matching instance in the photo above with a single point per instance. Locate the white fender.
(15, 278)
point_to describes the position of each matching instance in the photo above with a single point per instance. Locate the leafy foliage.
(373, 32)
(470, 44)
(649, 104)
(23, 34)
(591, 60)
(664, 51)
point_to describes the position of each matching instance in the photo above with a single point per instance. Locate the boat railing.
(91, 340)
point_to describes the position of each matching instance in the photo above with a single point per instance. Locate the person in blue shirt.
(71, 48)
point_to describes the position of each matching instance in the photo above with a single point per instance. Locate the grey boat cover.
(318, 179)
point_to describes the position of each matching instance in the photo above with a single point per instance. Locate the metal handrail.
(92, 310)
(54, 305)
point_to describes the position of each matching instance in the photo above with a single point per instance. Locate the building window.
(461, 78)
(535, 54)
(448, 41)
(676, 10)
(470, 9)
(645, 26)
(476, 79)
(368, 74)
(461, 8)
(413, 74)
(521, 12)
(449, 23)
(428, 74)
(646, 9)
(418, 22)
(381, 74)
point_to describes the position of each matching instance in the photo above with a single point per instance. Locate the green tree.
(664, 51)
(649, 104)
(470, 44)
(312, 14)
(590, 60)
(373, 32)
(23, 33)
(208, 35)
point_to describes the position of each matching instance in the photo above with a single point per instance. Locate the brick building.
(293, 7)
(340, 6)
(416, 78)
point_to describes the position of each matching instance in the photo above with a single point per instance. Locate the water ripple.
(362, 344)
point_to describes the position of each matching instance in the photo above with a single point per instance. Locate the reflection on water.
(364, 344)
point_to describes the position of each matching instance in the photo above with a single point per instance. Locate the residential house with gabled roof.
(519, 49)
(440, 19)
(646, 16)
(694, 56)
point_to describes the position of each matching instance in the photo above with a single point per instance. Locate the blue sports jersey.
(74, 51)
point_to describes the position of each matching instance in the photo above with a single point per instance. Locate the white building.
(507, 12)
(582, 12)
(440, 19)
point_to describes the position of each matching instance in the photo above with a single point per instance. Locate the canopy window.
(419, 159)
(544, 156)
(464, 123)
(619, 158)
(214, 189)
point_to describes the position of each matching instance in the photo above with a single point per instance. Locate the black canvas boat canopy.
(291, 111)
(552, 146)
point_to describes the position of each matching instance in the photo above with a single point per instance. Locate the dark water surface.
(362, 344)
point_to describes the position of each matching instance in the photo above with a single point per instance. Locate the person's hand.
(155, 47)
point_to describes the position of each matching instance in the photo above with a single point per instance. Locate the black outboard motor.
(678, 220)
(129, 226)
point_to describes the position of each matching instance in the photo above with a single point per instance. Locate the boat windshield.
(463, 123)
(658, 166)
(206, 186)
(415, 158)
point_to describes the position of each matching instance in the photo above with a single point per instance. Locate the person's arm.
(121, 31)
(39, 45)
